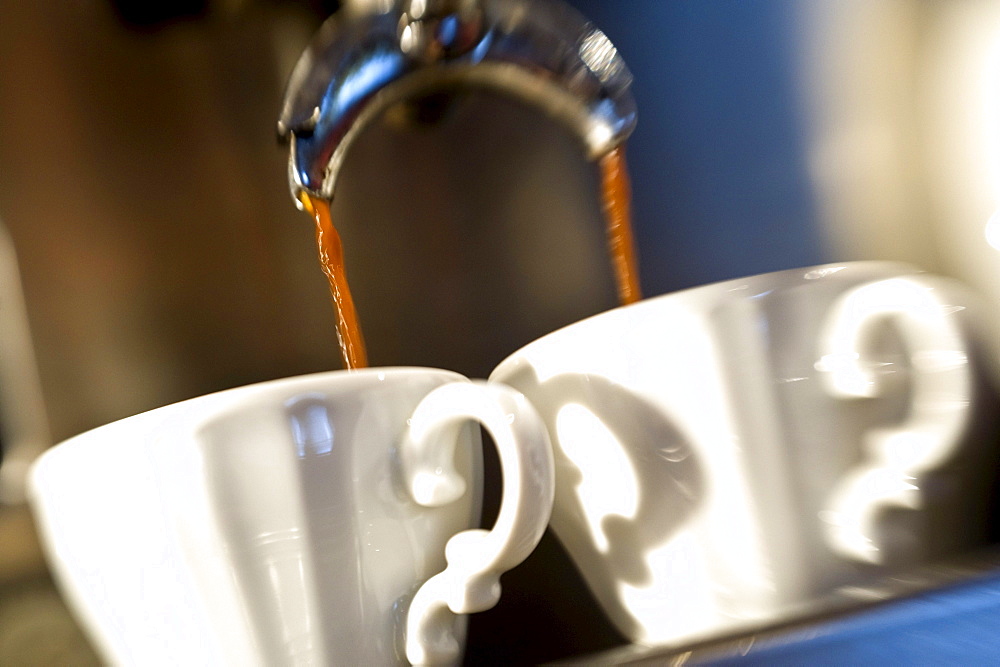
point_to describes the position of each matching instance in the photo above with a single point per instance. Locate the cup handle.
(895, 457)
(476, 558)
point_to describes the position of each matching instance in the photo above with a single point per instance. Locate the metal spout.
(366, 58)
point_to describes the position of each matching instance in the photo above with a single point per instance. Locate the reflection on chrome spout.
(371, 55)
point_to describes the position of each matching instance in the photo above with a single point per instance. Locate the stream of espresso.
(331, 259)
(616, 197)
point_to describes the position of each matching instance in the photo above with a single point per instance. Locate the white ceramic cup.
(299, 521)
(728, 454)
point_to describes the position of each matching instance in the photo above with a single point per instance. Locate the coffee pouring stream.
(373, 54)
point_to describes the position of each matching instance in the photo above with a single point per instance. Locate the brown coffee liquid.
(616, 197)
(331, 259)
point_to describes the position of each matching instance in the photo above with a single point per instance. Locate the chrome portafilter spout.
(375, 53)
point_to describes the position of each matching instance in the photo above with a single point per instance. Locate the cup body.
(711, 473)
(262, 525)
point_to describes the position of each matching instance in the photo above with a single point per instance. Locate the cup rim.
(343, 378)
(804, 273)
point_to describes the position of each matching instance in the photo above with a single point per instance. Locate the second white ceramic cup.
(728, 454)
(325, 519)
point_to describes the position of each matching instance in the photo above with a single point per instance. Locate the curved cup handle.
(895, 457)
(476, 558)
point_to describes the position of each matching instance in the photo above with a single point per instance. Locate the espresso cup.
(323, 519)
(730, 454)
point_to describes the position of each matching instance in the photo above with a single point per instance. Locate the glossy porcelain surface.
(727, 454)
(289, 522)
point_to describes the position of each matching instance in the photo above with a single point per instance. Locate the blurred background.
(159, 255)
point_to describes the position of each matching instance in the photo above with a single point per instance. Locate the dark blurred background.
(161, 256)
